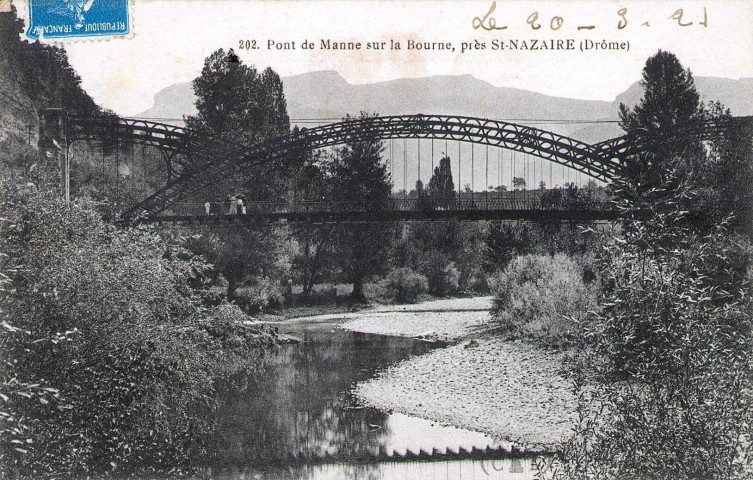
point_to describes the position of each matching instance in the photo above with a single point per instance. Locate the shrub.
(540, 296)
(213, 295)
(475, 284)
(442, 275)
(261, 293)
(132, 363)
(406, 285)
(671, 353)
(665, 379)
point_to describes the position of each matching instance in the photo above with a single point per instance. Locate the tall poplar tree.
(441, 187)
(666, 122)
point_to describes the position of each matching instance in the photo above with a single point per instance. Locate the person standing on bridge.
(241, 206)
(208, 208)
(233, 205)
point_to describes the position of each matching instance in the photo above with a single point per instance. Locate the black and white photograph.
(391, 239)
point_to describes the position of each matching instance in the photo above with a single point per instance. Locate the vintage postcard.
(380, 239)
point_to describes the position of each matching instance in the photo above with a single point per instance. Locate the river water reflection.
(301, 405)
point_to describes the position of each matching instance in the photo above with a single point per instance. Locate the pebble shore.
(511, 390)
(445, 320)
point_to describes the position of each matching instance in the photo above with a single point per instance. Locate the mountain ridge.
(327, 96)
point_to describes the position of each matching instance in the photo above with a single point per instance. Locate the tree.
(441, 188)
(504, 241)
(667, 355)
(359, 175)
(242, 254)
(449, 253)
(128, 363)
(41, 71)
(423, 199)
(725, 179)
(667, 122)
(315, 258)
(670, 352)
(236, 102)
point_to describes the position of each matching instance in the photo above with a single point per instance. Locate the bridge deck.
(385, 216)
(394, 210)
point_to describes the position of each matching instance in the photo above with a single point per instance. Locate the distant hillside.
(172, 103)
(327, 95)
(737, 95)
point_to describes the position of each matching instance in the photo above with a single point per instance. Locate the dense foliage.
(670, 358)
(122, 362)
(244, 106)
(41, 71)
(235, 101)
(541, 298)
(405, 285)
(664, 374)
(723, 182)
(354, 173)
(359, 175)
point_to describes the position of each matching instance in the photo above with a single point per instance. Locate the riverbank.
(379, 321)
(446, 320)
(511, 390)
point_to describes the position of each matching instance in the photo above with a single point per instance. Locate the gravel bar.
(446, 320)
(507, 389)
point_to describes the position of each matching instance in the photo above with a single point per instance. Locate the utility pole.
(49, 139)
(67, 163)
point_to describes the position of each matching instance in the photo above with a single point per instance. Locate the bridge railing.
(395, 204)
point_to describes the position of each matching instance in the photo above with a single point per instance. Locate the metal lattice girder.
(620, 149)
(221, 158)
(167, 137)
(557, 148)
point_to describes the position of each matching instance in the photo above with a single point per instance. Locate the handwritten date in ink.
(622, 19)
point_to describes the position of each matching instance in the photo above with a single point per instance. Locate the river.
(300, 410)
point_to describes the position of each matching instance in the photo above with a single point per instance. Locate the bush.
(131, 361)
(442, 275)
(475, 284)
(665, 380)
(671, 353)
(406, 285)
(263, 292)
(540, 296)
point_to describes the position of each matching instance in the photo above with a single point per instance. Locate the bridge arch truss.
(202, 160)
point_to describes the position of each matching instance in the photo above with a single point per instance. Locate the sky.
(170, 40)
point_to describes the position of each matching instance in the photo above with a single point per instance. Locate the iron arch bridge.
(196, 161)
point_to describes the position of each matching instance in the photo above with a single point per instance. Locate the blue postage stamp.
(61, 19)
